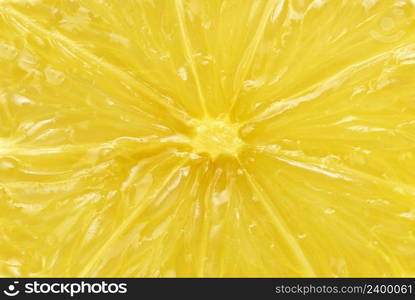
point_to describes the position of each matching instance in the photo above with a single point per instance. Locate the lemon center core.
(216, 137)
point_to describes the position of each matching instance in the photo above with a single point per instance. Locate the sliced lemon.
(207, 138)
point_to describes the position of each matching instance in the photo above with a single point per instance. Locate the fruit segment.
(219, 138)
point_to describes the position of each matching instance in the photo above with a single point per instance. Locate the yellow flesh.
(207, 138)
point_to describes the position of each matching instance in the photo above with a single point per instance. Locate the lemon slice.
(200, 138)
